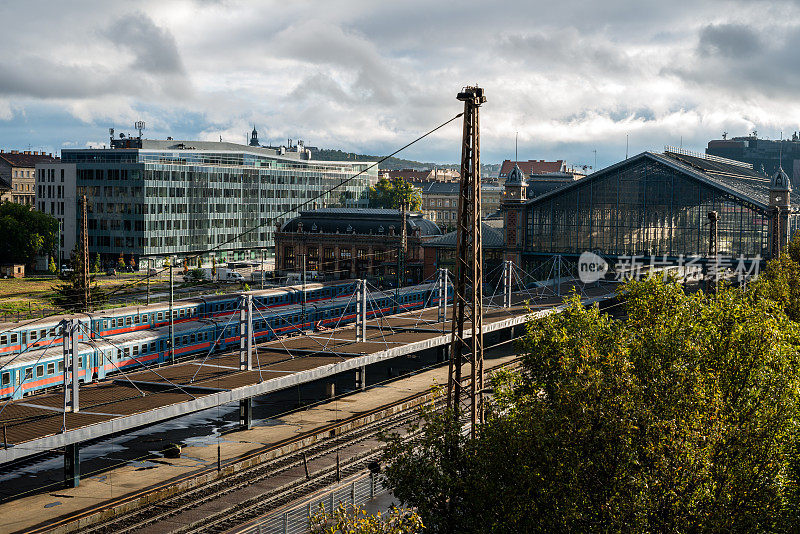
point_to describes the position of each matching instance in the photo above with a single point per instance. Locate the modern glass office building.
(658, 205)
(153, 198)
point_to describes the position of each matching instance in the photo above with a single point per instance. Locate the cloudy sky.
(367, 76)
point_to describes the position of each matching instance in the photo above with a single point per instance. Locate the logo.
(591, 267)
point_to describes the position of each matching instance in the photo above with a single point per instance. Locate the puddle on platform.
(51, 504)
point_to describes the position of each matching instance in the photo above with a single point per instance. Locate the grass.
(30, 296)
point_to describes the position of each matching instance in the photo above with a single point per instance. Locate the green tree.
(682, 417)
(121, 262)
(96, 263)
(51, 266)
(69, 293)
(357, 521)
(199, 262)
(25, 233)
(389, 194)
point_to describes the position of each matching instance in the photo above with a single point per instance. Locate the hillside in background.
(393, 164)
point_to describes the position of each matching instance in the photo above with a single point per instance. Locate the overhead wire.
(270, 220)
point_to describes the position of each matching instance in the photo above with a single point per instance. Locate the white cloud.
(369, 76)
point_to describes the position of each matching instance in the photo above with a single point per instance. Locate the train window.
(174, 314)
(51, 368)
(6, 380)
(13, 338)
(128, 320)
(28, 373)
(159, 316)
(136, 350)
(3, 340)
(153, 346)
(33, 335)
(185, 340)
(42, 333)
(192, 338)
(39, 371)
(61, 366)
(53, 332)
(126, 351)
(135, 319)
(80, 362)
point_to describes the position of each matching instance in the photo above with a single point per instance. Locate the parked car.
(111, 271)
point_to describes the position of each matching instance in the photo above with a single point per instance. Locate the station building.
(157, 198)
(339, 243)
(653, 205)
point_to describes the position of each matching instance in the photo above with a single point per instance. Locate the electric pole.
(468, 295)
(401, 253)
(85, 266)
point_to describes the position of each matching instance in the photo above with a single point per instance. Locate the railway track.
(342, 439)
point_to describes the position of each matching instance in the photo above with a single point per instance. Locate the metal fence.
(293, 519)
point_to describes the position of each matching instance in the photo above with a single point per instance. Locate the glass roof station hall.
(155, 198)
(657, 205)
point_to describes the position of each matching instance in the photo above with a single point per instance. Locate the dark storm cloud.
(565, 48)
(153, 48)
(729, 40)
(731, 58)
(156, 67)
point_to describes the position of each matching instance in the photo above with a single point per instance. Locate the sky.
(573, 80)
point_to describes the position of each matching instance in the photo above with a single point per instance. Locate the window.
(136, 350)
(28, 373)
(39, 371)
(33, 335)
(127, 321)
(3, 340)
(51, 368)
(159, 316)
(61, 366)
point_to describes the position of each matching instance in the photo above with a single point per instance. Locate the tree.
(51, 266)
(199, 262)
(682, 417)
(389, 194)
(26, 233)
(69, 293)
(121, 262)
(96, 263)
(357, 521)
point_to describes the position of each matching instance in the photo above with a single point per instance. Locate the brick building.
(440, 201)
(341, 243)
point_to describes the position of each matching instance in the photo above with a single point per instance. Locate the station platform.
(68, 510)
(39, 423)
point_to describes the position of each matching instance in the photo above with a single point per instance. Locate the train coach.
(42, 367)
(16, 338)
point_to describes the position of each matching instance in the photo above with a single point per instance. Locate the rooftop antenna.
(139, 125)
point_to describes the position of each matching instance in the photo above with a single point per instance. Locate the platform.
(38, 423)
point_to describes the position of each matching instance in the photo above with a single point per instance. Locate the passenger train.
(204, 330)
(17, 338)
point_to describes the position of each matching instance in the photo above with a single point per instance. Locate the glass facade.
(155, 203)
(644, 208)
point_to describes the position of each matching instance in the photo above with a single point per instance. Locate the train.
(42, 367)
(15, 338)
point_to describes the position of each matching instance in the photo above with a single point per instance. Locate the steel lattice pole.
(468, 296)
